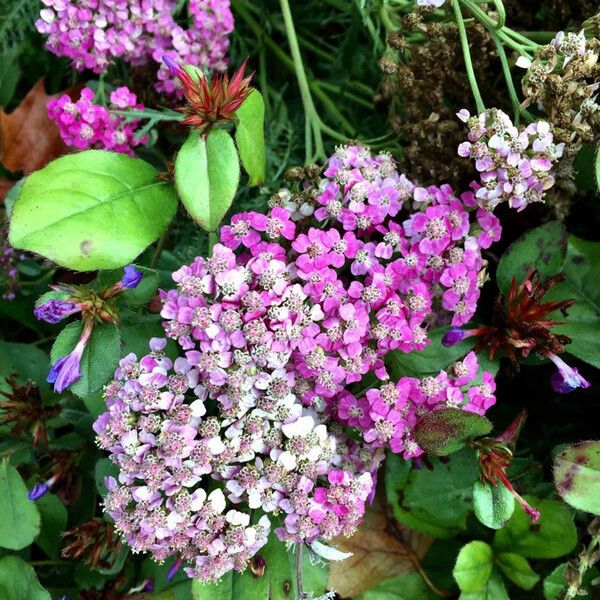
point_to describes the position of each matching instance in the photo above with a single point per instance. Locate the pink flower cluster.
(274, 329)
(515, 165)
(93, 33)
(84, 125)
(388, 414)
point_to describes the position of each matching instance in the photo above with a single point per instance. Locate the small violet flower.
(41, 489)
(567, 378)
(131, 277)
(55, 310)
(65, 371)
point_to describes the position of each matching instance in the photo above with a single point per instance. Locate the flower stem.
(514, 99)
(462, 32)
(300, 591)
(213, 239)
(312, 117)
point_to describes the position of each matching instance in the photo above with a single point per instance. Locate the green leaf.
(435, 501)
(92, 210)
(207, 173)
(493, 504)
(473, 566)
(29, 362)
(577, 476)
(18, 581)
(493, 590)
(582, 270)
(100, 357)
(11, 196)
(445, 431)
(250, 136)
(517, 569)
(20, 522)
(544, 248)
(552, 536)
(137, 296)
(406, 587)
(54, 522)
(9, 77)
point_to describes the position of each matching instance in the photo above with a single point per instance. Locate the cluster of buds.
(210, 101)
(495, 455)
(563, 78)
(521, 324)
(24, 408)
(95, 307)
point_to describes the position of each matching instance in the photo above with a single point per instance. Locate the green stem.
(299, 588)
(47, 563)
(310, 111)
(514, 99)
(462, 32)
(501, 14)
(159, 248)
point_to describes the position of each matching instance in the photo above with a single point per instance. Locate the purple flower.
(174, 568)
(40, 489)
(452, 337)
(65, 371)
(131, 278)
(54, 310)
(567, 378)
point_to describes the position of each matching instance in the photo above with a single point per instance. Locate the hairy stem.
(300, 591)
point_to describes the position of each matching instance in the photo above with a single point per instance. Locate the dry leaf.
(5, 187)
(28, 138)
(377, 555)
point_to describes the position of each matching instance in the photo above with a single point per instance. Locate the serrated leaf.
(517, 569)
(18, 581)
(207, 173)
(442, 432)
(20, 522)
(544, 248)
(493, 505)
(435, 501)
(552, 536)
(577, 476)
(582, 270)
(473, 566)
(250, 136)
(92, 210)
(100, 357)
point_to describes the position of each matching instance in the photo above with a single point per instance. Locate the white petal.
(329, 552)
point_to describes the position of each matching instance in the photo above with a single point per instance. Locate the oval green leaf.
(552, 536)
(250, 136)
(577, 476)
(473, 566)
(18, 581)
(517, 569)
(92, 210)
(20, 522)
(544, 248)
(207, 173)
(445, 431)
(493, 505)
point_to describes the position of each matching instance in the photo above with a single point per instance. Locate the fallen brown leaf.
(5, 186)
(377, 554)
(28, 138)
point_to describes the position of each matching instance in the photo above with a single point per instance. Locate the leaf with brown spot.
(28, 138)
(376, 554)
